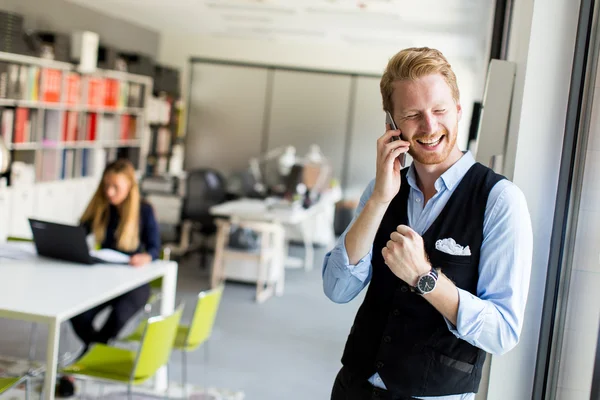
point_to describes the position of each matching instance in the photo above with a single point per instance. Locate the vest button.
(379, 364)
(404, 289)
(396, 312)
(387, 339)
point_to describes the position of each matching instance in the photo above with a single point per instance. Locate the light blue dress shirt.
(493, 319)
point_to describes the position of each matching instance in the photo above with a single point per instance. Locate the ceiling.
(463, 24)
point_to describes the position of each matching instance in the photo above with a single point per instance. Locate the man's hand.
(405, 255)
(387, 178)
(140, 259)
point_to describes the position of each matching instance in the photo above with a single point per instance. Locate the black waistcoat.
(396, 332)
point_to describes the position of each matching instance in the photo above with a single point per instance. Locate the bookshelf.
(165, 155)
(65, 124)
(62, 127)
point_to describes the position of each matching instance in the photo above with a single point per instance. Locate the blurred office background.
(216, 102)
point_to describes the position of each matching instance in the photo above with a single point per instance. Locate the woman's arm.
(150, 235)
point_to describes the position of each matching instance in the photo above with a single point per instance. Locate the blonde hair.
(414, 63)
(97, 211)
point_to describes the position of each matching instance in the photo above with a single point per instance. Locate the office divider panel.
(310, 108)
(238, 111)
(226, 112)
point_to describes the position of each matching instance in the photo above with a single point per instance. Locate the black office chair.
(204, 188)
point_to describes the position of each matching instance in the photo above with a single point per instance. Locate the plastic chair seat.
(106, 362)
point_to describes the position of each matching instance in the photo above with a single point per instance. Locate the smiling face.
(427, 115)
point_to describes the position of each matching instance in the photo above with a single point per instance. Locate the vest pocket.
(449, 375)
(456, 364)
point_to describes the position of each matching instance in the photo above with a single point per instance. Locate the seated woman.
(121, 221)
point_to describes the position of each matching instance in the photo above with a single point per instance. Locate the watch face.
(426, 283)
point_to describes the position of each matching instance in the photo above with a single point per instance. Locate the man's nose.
(429, 123)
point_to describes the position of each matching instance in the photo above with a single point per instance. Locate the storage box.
(108, 58)
(138, 63)
(166, 79)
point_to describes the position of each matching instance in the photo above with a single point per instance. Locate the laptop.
(63, 242)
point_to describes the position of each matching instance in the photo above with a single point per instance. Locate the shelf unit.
(166, 135)
(68, 124)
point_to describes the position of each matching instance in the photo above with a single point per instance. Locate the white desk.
(51, 292)
(260, 210)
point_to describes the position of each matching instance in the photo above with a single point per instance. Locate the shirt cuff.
(470, 318)
(359, 270)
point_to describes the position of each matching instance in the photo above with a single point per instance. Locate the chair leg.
(184, 373)
(206, 357)
(82, 391)
(206, 352)
(101, 390)
(168, 380)
(129, 392)
(27, 388)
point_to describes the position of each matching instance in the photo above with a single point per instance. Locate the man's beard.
(440, 155)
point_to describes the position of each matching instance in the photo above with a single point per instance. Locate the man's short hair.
(414, 63)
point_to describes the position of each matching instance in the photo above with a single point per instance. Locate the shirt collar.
(450, 178)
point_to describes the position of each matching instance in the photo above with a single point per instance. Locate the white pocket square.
(449, 246)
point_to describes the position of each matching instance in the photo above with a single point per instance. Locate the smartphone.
(390, 120)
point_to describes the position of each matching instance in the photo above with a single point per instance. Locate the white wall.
(542, 43)
(176, 50)
(64, 16)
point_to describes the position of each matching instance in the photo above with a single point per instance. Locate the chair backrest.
(156, 344)
(7, 383)
(204, 188)
(204, 316)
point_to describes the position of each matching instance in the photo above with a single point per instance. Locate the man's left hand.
(405, 255)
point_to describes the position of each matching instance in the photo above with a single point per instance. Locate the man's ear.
(459, 111)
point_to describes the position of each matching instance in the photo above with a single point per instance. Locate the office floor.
(288, 347)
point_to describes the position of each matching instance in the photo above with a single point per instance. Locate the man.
(445, 244)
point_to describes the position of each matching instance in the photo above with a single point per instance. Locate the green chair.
(116, 365)
(190, 337)
(7, 383)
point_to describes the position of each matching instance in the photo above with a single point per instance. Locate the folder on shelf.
(111, 93)
(70, 126)
(7, 124)
(52, 132)
(33, 84)
(92, 119)
(73, 84)
(95, 92)
(21, 125)
(3, 80)
(13, 82)
(50, 86)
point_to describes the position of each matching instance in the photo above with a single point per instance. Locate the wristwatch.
(426, 282)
